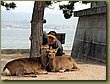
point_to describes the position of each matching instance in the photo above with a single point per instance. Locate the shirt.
(56, 44)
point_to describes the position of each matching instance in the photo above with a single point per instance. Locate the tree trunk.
(37, 28)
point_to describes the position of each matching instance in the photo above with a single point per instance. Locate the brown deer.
(61, 63)
(24, 66)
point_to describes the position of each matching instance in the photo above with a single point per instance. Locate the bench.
(61, 37)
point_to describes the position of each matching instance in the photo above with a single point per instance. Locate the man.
(55, 43)
(51, 40)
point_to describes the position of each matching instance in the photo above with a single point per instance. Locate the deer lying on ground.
(24, 66)
(61, 63)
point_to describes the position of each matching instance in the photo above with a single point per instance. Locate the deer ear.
(50, 48)
(47, 50)
(41, 47)
(47, 46)
(55, 50)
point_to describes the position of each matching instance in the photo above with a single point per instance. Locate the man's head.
(52, 36)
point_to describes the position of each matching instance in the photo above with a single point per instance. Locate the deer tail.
(5, 72)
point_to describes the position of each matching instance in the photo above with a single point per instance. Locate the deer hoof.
(61, 71)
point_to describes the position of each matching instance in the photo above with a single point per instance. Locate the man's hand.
(30, 37)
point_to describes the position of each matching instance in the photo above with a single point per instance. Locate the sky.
(27, 7)
(52, 11)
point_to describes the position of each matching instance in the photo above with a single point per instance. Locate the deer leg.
(19, 70)
(53, 70)
(75, 69)
(62, 71)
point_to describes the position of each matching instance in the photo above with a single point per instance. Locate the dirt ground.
(89, 70)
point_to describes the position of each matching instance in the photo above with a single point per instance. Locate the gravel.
(89, 70)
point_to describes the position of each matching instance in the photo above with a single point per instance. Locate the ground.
(89, 70)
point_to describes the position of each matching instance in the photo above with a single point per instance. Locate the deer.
(61, 63)
(22, 66)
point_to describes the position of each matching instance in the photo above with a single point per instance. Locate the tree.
(37, 28)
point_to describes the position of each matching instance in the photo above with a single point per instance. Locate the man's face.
(51, 40)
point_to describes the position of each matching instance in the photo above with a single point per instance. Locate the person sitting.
(55, 43)
(51, 40)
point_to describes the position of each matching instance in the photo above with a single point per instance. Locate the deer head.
(52, 52)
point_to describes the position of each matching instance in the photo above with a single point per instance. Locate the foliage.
(8, 6)
(68, 8)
